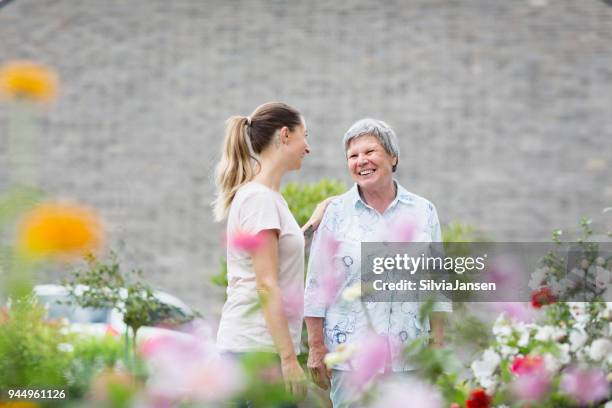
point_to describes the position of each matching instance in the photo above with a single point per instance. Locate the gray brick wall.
(503, 108)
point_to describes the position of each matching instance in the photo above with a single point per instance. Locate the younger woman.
(267, 274)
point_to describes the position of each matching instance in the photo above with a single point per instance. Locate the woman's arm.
(317, 215)
(265, 263)
(316, 352)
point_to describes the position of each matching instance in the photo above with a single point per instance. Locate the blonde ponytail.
(235, 168)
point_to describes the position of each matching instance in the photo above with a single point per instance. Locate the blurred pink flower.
(403, 230)
(531, 386)
(518, 311)
(188, 367)
(507, 273)
(293, 302)
(111, 331)
(244, 241)
(331, 281)
(408, 392)
(372, 357)
(527, 365)
(585, 385)
(332, 275)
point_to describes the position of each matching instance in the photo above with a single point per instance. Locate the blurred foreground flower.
(60, 230)
(517, 311)
(244, 241)
(372, 358)
(478, 398)
(408, 392)
(29, 81)
(585, 385)
(532, 382)
(526, 365)
(542, 297)
(344, 352)
(190, 368)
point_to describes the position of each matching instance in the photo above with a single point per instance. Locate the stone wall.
(503, 108)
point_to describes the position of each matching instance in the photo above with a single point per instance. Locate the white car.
(109, 321)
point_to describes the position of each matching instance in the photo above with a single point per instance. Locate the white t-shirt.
(243, 328)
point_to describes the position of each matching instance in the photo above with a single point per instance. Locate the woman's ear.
(284, 134)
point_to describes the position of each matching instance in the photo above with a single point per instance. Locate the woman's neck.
(381, 197)
(270, 174)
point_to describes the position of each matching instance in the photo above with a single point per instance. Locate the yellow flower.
(60, 230)
(19, 404)
(28, 80)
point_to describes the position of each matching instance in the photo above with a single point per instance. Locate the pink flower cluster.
(188, 368)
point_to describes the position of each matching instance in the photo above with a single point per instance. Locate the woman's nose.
(307, 148)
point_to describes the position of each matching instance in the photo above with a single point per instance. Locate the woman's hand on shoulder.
(317, 215)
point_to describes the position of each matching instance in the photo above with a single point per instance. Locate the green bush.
(34, 353)
(302, 198)
(92, 356)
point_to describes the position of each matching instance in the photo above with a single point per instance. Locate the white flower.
(501, 329)
(579, 311)
(483, 369)
(606, 313)
(537, 277)
(564, 353)
(584, 264)
(550, 333)
(352, 293)
(507, 351)
(577, 338)
(600, 261)
(601, 349)
(556, 288)
(552, 363)
(65, 347)
(602, 277)
(523, 341)
(608, 404)
(344, 352)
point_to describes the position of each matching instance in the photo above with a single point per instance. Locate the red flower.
(527, 365)
(542, 297)
(478, 399)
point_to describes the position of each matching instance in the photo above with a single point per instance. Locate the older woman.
(370, 211)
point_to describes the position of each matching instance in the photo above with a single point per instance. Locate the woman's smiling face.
(368, 162)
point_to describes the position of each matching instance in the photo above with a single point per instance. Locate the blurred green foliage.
(92, 356)
(265, 383)
(32, 350)
(302, 198)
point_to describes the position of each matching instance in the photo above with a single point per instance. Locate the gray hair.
(377, 128)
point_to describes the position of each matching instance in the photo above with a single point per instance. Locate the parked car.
(109, 321)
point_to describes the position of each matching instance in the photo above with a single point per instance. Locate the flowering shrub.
(564, 358)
